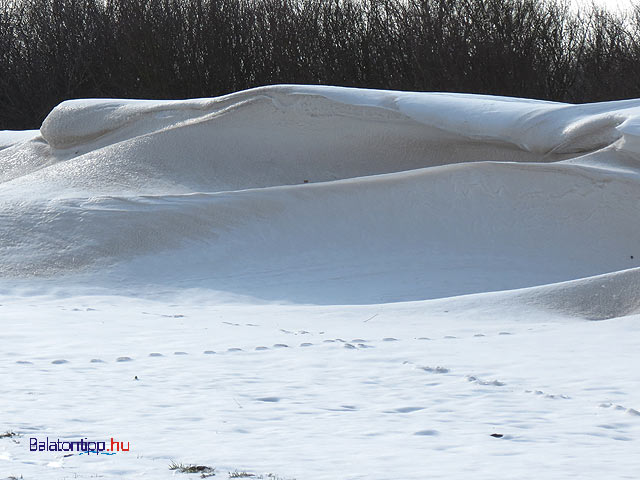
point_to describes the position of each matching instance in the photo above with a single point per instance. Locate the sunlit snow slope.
(331, 195)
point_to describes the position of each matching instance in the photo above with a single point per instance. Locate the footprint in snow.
(343, 408)
(389, 339)
(155, 354)
(208, 352)
(59, 362)
(629, 411)
(180, 353)
(306, 344)
(546, 395)
(262, 348)
(124, 359)
(24, 362)
(495, 383)
(280, 345)
(96, 360)
(405, 410)
(437, 369)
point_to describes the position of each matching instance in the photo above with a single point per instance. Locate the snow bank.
(411, 196)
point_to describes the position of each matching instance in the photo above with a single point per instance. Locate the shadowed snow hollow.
(331, 195)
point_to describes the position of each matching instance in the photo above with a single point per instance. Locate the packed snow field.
(315, 283)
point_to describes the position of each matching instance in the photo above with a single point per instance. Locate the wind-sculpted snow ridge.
(328, 195)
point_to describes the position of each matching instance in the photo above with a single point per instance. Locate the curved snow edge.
(532, 125)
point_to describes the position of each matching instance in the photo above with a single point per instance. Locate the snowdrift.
(332, 195)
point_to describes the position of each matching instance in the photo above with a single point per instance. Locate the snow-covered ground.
(323, 283)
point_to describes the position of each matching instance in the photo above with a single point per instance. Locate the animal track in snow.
(355, 344)
(268, 399)
(437, 369)
(428, 369)
(343, 408)
(547, 395)
(495, 383)
(299, 332)
(404, 410)
(629, 411)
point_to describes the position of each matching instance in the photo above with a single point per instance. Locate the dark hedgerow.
(52, 50)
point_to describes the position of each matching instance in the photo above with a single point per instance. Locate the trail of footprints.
(354, 344)
(357, 344)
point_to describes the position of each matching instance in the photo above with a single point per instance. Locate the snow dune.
(331, 195)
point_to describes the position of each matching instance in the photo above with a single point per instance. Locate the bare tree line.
(52, 50)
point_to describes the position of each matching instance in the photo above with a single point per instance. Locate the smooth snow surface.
(11, 137)
(431, 261)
